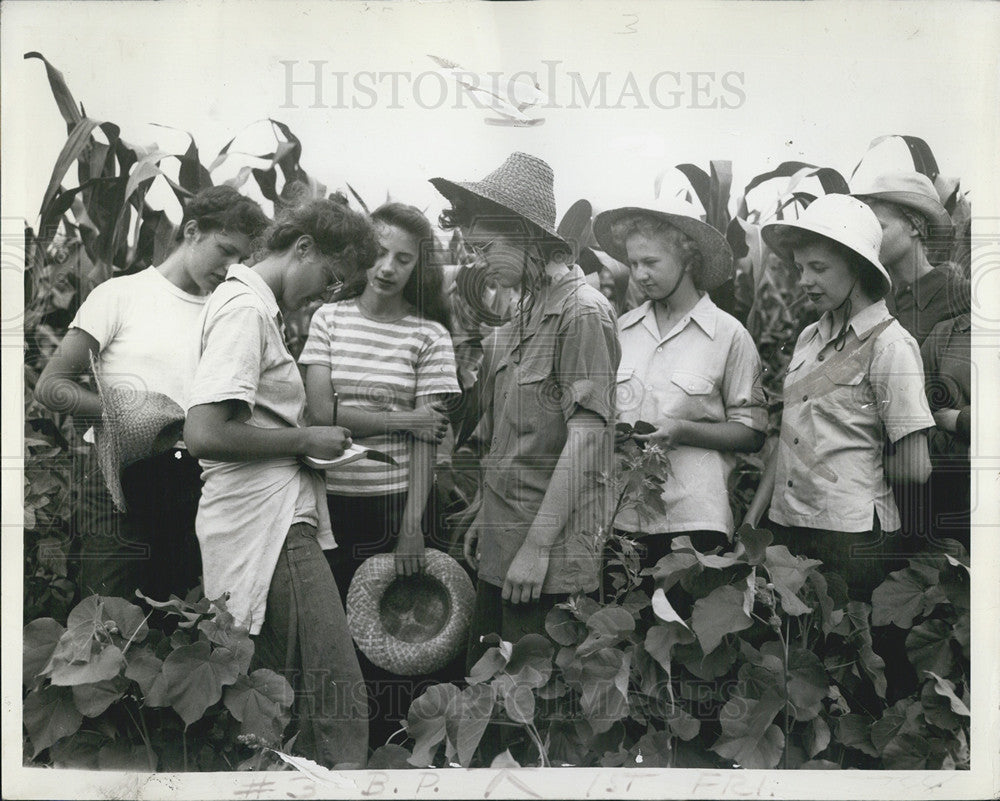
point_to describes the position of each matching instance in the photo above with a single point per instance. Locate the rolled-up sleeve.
(897, 379)
(587, 365)
(742, 390)
(317, 349)
(232, 349)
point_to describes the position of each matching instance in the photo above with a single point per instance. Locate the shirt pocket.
(849, 397)
(535, 396)
(628, 394)
(690, 395)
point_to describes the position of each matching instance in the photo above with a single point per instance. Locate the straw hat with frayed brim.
(910, 189)
(716, 254)
(840, 218)
(135, 424)
(522, 185)
(410, 625)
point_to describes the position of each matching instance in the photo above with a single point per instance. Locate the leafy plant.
(106, 690)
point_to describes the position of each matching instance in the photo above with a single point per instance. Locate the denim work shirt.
(564, 359)
(838, 410)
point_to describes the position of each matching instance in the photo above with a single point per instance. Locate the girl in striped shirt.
(386, 352)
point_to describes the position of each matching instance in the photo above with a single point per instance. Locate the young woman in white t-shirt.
(135, 327)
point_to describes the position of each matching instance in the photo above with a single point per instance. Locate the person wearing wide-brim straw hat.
(688, 368)
(854, 381)
(916, 229)
(547, 385)
(136, 494)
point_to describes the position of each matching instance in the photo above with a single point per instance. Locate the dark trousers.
(305, 638)
(152, 546)
(864, 560)
(365, 525)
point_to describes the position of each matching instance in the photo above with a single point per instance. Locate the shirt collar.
(862, 323)
(561, 286)
(926, 287)
(246, 276)
(705, 313)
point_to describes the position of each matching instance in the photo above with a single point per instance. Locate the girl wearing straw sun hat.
(854, 381)
(547, 397)
(687, 368)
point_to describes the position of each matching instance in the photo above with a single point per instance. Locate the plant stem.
(784, 652)
(144, 733)
(184, 741)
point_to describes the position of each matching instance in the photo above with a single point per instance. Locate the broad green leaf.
(854, 731)
(128, 618)
(755, 542)
(48, 715)
(530, 661)
(60, 91)
(748, 736)
(901, 718)
(945, 688)
(902, 597)
(673, 567)
(938, 708)
(467, 719)
(563, 627)
(906, 752)
(78, 750)
(93, 699)
(718, 614)
(652, 751)
(607, 628)
(707, 666)
(663, 610)
(661, 639)
(390, 757)
(817, 736)
(712, 561)
(195, 675)
(519, 704)
(683, 725)
(143, 668)
(832, 616)
(38, 642)
(807, 683)
(600, 678)
(819, 764)
(426, 721)
(262, 703)
(105, 664)
(962, 633)
(634, 602)
(788, 574)
(489, 665)
(872, 664)
(504, 761)
(928, 647)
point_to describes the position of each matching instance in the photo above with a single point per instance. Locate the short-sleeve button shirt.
(706, 369)
(939, 295)
(838, 409)
(563, 359)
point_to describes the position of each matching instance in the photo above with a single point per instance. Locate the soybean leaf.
(530, 661)
(653, 750)
(143, 668)
(105, 664)
(755, 542)
(715, 562)
(807, 683)
(707, 666)
(661, 639)
(390, 757)
(467, 719)
(49, 715)
(748, 736)
(79, 751)
(683, 724)
(928, 647)
(563, 627)
(817, 736)
(906, 752)
(489, 665)
(904, 595)
(519, 704)
(718, 614)
(262, 703)
(195, 675)
(854, 731)
(673, 567)
(93, 699)
(504, 760)
(819, 764)
(129, 619)
(947, 689)
(663, 610)
(38, 642)
(603, 681)
(788, 574)
(634, 602)
(901, 718)
(607, 628)
(427, 720)
(123, 755)
(938, 708)
(872, 664)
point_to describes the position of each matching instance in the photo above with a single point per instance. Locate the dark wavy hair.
(337, 230)
(222, 208)
(425, 288)
(870, 281)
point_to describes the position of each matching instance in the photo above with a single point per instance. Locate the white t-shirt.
(146, 329)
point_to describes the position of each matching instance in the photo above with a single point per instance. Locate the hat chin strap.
(675, 287)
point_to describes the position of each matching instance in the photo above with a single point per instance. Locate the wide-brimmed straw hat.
(136, 424)
(716, 254)
(410, 625)
(522, 185)
(841, 218)
(910, 189)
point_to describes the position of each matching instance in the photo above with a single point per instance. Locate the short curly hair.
(337, 230)
(656, 228)
(223, 208)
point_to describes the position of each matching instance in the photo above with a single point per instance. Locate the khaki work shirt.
(838, 409)
(565, 359)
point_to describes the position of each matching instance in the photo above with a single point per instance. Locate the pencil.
(336, 399)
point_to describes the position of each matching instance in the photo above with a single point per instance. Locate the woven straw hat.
(521, 185)
(843, 219)
(715, 251)
(135, 424)
(910, 189)
(410, 625)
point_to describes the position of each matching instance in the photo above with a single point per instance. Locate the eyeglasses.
(330, 293)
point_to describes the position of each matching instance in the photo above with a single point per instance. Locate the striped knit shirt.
(381, 367)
